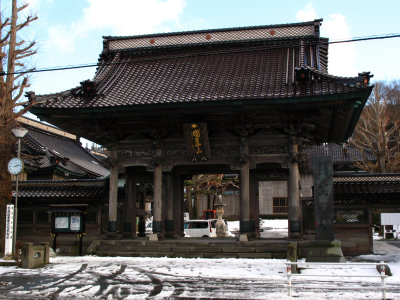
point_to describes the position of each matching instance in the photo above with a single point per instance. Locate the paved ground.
(386, 247)
(394, 243)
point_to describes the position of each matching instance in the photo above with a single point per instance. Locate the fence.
(290, 275)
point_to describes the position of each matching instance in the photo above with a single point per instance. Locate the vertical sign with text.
(8, 249)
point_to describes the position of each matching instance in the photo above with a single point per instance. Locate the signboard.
(68, 218)
(390, 218)
(67, 223)
(196, 140)
(9, 230)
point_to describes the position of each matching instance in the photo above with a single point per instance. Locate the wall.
(267, 191)
(356, 238)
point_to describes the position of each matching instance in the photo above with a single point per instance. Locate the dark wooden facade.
(241, 100)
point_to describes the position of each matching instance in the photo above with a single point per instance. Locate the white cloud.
(60, 40)
(120, 17)
(342, 57)
(306, 14)
(128, 17)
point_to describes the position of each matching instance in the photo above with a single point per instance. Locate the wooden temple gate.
(239, 100)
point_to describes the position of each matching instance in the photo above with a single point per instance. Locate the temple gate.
(243, 100)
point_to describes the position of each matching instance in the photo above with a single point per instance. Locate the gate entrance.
(239, 100)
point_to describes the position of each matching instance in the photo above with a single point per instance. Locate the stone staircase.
(190, 248)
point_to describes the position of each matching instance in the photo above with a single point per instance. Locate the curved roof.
(58, 151)
(256, 67)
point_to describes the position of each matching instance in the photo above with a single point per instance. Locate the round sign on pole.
(15, 166)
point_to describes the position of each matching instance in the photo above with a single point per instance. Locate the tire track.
(102, 282)
(158, 285)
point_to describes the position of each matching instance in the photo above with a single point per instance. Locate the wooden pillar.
(246, 225)
(294, 213)
(141, 200)
(169, 205)
(130, 205)
(157, 197)
(113, 195)
(254, 204)
(178, 188)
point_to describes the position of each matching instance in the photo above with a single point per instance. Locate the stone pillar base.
(158, 229)
(153, 237)
(112, 229)
(127, 229)
(169, 228)
(325, 251)
(142, 226)
(247, 227)
(243, 238)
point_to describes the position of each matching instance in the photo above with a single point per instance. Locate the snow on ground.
(270, 228)
(92, 277)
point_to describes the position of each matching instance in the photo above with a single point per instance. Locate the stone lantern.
(220, 224)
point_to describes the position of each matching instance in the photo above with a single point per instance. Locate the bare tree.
(206, 184)
(14, 53)
(377, 133)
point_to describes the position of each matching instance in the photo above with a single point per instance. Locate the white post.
(289, 278)
(384, 232)
(383, 277)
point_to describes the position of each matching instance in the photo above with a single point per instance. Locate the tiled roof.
(51, 150)
(341, 153)
(258, 67)
(366, 178)
(63, 189)
(366, 184)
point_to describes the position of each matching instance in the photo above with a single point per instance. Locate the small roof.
(341, 153)
(366, 184)
(49, 149)
(84, 189)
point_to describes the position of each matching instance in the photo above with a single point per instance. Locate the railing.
(289, 273)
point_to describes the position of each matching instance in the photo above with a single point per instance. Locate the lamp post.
(220, 224)
(19, 133)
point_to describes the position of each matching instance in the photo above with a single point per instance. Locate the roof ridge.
(214, 30)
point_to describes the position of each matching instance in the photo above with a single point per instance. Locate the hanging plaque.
(196, 140)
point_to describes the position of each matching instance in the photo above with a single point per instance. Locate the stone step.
(193, 248)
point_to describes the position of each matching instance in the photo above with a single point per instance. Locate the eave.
(343, 109)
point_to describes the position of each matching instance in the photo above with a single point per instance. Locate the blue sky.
(69, 32)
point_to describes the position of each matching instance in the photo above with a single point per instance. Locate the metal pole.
(16, 204)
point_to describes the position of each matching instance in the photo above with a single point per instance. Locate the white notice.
(61, 222)
(75, 223)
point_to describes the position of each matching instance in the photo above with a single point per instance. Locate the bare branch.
(376, 133)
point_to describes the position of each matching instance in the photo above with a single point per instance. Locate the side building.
(59, 174)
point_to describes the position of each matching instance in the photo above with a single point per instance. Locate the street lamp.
(19, 133)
